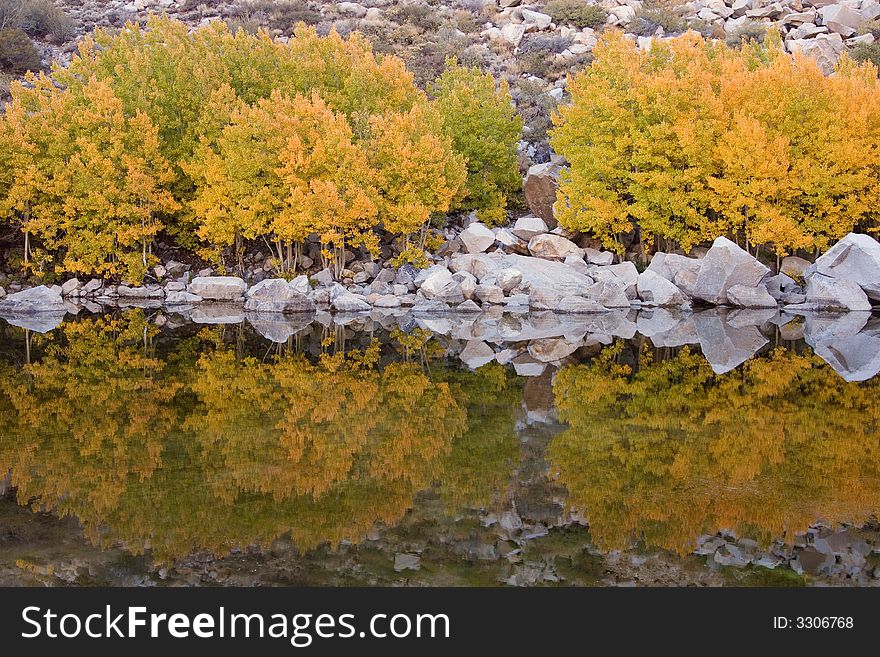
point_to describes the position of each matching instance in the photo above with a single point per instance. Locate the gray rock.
(324, 277)
(387, 301)
(667, 265)
(343, 301)
(794, 266)
(654, 290)
(301, 284)
(595, 257)
(275, 295)
(723, 345)
(855, 258)
(476, 354)
(489, 294)
(539, 188)
(509, 278)
(34, 300)
(181, 298)
(826, 293)
(477, 238)
(70, 286)
(750, 297)
(608, 293)
(553, 247)
(148, 292)
(218, 288)
(439, 285)
(526, 228)
(579, 305)
(468, 307)
(404, 561)
(724, 266)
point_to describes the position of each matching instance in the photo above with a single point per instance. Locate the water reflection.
(170, 437)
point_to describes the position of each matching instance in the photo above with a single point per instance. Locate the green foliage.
(17, 54)
(577, 13)
(867, 53)
(42, 18)
(480, 119)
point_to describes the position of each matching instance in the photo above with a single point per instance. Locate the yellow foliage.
(691, 139)
(673, 451)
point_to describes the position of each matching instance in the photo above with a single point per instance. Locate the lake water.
(640, 448)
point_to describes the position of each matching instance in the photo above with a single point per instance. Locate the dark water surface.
(717, 448)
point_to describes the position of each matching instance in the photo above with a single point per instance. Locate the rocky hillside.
(533, 45)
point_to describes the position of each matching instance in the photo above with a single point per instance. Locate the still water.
(718, 448)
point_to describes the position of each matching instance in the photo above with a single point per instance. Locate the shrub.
(282, 16)
(17, 54)
(693, 140)
(577, 13)
(749, 34)
(867, 53)
(242, 137)
(480, 119)
(648, 20)
(41, 18)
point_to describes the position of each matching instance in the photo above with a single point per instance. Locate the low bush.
(42, 19)
(17, 53)
(577, 13)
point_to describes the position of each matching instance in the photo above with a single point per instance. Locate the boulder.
(492, 294)
(579, 305)
(477, 238)
(595, 257)
(794, 267)
(785, 289)
(750, 297)
(724, 345)
(476, 353)
(343, 301)
(126, 292)
(33, 301)
(855, 358)
(539, 188)
(855, 258)
(301, 284)
(553, 247)
(526, 228)
(668, 265)
(71, 287)
(827, 293)
(724, 266)
(841, 19)
(218, 288)
(654, 290)
(387, 301)
(608, 293)
(439, 285)
(535, 20)
(507, 279)
(824, 48)
(181, 298)
(275, 295)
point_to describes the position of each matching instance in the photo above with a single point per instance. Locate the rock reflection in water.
(166, 436)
